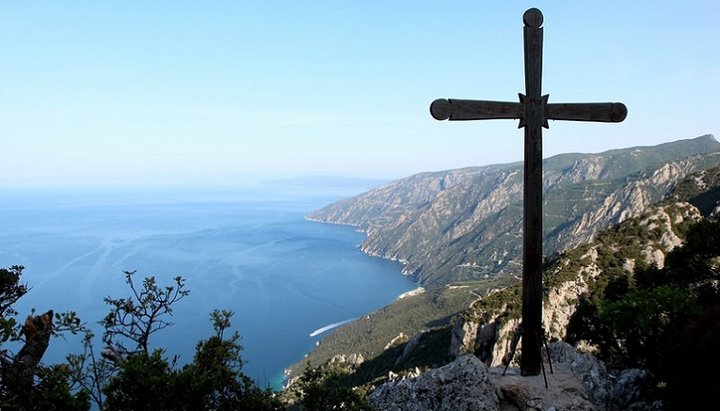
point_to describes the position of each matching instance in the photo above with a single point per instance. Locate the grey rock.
(594, 376)
(625, 389)
(560, 352)
(462, 337)
(463, 385)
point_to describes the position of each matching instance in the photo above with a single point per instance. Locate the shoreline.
(288, 378)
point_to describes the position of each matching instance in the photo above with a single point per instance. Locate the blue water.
(249, 251)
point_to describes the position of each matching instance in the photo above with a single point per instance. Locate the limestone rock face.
(396, 341)
(463, 385)
(561, 302)
(352, 360)
(462, 337)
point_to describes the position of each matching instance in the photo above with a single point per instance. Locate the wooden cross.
(533, 111)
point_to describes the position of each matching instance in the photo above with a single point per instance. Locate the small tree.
(134, 319)
(127, 330)
(127, 376)
(143, 382)
(214, 380)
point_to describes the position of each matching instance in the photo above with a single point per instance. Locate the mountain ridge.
(465, 224)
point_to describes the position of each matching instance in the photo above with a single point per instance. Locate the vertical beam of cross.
(533, 111)
(532, 195)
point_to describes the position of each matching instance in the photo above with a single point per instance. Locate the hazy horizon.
(350, 183)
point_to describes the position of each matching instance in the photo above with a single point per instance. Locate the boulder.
(462, 385)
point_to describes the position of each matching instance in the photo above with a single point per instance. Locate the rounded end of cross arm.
(619, 112)
(440, 109)
(533, 18)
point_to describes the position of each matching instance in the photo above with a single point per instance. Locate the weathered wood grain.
(602, 112)
(452, 109)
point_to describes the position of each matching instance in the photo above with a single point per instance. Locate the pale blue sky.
(218, 92)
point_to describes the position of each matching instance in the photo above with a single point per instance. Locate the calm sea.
(246, 250)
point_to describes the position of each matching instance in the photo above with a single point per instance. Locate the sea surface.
(249, 250)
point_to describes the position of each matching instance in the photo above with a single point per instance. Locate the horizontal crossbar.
(603, 112)
(454, 109)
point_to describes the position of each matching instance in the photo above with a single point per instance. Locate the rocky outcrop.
(701, 190)
(561, 301)
(465, 224)
(462, 336)
(578, 382)
(352, 360)
(463, 385)
(401, 338)
(491, 339)
(623, 390)
(662, 220)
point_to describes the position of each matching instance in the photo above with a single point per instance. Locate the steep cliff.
(466, 224)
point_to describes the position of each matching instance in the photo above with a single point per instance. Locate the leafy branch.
(137, 317)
